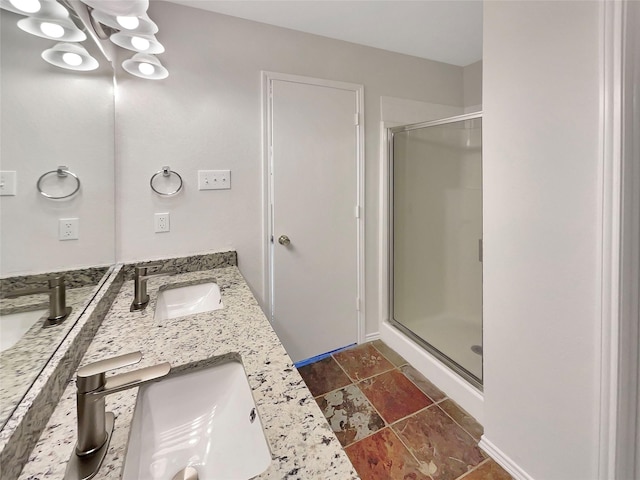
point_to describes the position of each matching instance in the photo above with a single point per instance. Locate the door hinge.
(356, 119)
(357, 211)
(358, 304)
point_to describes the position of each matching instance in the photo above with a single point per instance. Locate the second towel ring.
(62, 172)
(166, 172)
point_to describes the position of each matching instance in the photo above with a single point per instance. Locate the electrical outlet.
(214, 179)
(161, 222)
(68, 228)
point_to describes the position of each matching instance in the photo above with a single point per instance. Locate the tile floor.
(393, 423)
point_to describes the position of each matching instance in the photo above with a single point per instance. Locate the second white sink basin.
(181, 301)
(205, 420)
(15, 325)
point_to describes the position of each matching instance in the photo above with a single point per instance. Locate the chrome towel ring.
(62, 172)
(166, 172)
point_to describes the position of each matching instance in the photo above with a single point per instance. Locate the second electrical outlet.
(161, 222)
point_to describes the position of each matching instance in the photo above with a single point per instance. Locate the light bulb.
(146, 68)
(27, 6)
(130, 23)
(141, 44)
(72, 59)
(52, 29)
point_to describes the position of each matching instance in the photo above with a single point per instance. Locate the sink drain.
(477, 349)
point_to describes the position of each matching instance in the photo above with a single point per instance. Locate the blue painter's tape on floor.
(322, 356)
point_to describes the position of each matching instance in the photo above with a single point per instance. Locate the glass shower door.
(436, 239)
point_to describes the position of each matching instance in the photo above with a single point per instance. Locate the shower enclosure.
(436, 239)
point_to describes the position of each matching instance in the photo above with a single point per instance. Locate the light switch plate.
(7, 182)
(214, 179)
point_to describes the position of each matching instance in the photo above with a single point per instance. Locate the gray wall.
(472, 81)
(542, 232)
(207, 115)
(53, 117)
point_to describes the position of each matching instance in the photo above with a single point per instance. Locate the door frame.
(619, 439)
(268, 188)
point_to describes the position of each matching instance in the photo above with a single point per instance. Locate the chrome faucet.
(58, 310)
(95, 426)
(140, 296)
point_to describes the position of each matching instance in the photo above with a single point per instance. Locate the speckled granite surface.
(21, 363)
(302, 443)
(73, 279)
(191, 263)
(21, 432)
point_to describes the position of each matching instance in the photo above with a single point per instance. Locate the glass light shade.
(70, 56)
(145, 26)
(26, 6)
(145, 66)
(137, 42)
(47, 8)
(114, 8)
(72, 59)
(52, 29)
(128, 22)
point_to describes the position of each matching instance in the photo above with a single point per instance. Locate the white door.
(314, 196)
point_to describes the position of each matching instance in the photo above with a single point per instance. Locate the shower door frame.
(391, 131)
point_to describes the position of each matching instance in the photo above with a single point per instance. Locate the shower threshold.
(449, 362)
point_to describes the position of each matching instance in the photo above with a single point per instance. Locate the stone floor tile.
(436, 440)
(389, 353)
(423, 384)
(323, 376)
(489, 470)
(462, 418)
(350, 414)
(393, 395)
(362, 361)
(382, 456)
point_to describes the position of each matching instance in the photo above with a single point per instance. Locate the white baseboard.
(503, 460)
(370, 337)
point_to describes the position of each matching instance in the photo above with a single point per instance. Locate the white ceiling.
(448, 31)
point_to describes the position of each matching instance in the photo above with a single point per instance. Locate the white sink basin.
(181, 301)
(15, 325)
(205, 419)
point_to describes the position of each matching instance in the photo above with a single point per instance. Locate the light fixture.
(145, 66)
(39, 8)
(137, 43)
(23, 7)
(114, 8)
(70, 56)
(142, 24)
(53, 29)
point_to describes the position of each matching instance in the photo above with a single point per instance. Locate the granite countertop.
(21, 363)
(301, 441)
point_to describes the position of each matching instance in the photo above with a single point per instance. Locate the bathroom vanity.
(301, 442)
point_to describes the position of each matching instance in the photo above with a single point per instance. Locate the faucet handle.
(92, 376)
(142, 269)
(53, 282)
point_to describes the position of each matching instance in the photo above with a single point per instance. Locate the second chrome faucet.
(140, 295)
(58, 310)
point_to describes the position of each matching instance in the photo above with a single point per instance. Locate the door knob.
(284, 240)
